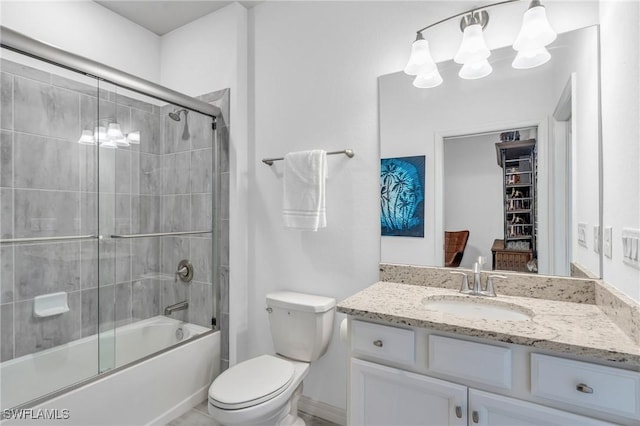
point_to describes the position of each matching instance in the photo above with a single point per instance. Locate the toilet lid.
(251, 382)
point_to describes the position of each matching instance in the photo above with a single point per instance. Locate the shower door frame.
(22, 44)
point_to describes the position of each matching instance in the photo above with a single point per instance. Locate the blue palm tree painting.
(402, 196)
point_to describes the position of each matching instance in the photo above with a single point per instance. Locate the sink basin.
(477, 308)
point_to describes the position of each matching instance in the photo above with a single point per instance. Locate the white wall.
(620, 67)
(87, 29)
(473, 197)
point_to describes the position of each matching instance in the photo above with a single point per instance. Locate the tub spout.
(176, 307)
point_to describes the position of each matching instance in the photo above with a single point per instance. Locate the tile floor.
(198, 416)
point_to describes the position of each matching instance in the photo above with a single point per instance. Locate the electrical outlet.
(582, 234)
(630, 247)
(596, 238)
(608, 238)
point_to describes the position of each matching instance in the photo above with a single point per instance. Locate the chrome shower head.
(175, 115)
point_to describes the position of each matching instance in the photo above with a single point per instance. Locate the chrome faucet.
(477, 289)
(176, 307)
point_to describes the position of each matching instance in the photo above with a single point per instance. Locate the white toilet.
(265, 390)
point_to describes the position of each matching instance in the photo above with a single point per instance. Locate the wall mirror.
(456, 127)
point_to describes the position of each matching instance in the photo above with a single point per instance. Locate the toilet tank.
(301, 324)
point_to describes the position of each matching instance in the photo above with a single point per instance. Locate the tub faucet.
(176, 307)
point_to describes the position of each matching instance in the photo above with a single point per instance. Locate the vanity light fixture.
(473, 53)
(109, 136)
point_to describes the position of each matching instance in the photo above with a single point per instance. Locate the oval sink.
(479, 308)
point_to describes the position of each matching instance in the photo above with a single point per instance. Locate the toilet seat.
(251, 382)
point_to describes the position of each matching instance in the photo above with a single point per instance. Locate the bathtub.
(151, 391)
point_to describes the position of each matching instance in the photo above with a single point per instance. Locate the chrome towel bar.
(348, 152)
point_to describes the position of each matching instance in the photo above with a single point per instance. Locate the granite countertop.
(579, 329)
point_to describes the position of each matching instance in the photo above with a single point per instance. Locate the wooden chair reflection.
(454, 245)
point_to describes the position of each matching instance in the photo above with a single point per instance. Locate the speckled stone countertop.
(579, 329)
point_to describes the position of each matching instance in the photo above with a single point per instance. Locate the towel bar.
(348, 152)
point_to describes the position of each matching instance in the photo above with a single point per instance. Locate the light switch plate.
(596, 238)
(608, 238)
(630, 247)
(582, 234)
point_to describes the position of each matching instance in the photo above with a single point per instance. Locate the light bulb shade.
(526, 59)
(87, 138)
(420, 61)
(473, 48)
(134, 137)
(121, 141)
(100, 133)
(114, 131)
(475, 70)
(109, 143)
(535, 31)
(428, 81)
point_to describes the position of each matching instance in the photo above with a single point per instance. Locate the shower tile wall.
(49, 187)
(221, 98)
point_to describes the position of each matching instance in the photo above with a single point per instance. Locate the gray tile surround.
(45, 110)
(143, 189)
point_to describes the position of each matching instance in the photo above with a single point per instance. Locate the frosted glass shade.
(122, 141)
(109, 143)
(87, 138)
(473, 48)
(535, 31)
(428, 81)
(526, 59)
(475, 70)
(420, 61)
(134, 137)
(100, 133)
(114, 131)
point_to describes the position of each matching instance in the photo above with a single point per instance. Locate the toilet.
(265, 390)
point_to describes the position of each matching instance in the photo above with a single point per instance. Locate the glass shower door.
(52, 295)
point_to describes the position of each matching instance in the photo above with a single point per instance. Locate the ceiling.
(161, 16)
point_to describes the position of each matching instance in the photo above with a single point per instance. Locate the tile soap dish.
(51, 304)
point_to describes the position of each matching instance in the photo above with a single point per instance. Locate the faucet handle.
(490, 291)
(464, 287)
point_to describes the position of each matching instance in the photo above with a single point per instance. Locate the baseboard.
(322, 410)
(180, 408)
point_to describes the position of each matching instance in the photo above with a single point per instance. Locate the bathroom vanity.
(422, 354)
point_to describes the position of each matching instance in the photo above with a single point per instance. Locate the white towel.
(305, 173)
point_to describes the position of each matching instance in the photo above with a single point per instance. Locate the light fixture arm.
(467, 12)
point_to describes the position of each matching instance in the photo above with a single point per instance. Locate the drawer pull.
(581, 387)
(475, 417)
(377, 343)
(458, 411)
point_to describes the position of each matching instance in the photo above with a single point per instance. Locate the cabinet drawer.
(606, 389)
(486, 364)
(381, 341)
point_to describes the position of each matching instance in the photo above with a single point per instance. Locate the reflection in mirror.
(531, 204)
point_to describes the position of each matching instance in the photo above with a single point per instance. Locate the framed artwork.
(402, 183)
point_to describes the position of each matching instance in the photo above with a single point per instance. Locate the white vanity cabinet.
(412, 376)
(489, 409)
(386, 396)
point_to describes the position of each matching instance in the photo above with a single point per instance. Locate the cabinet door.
(486, 409)
(385, 396)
